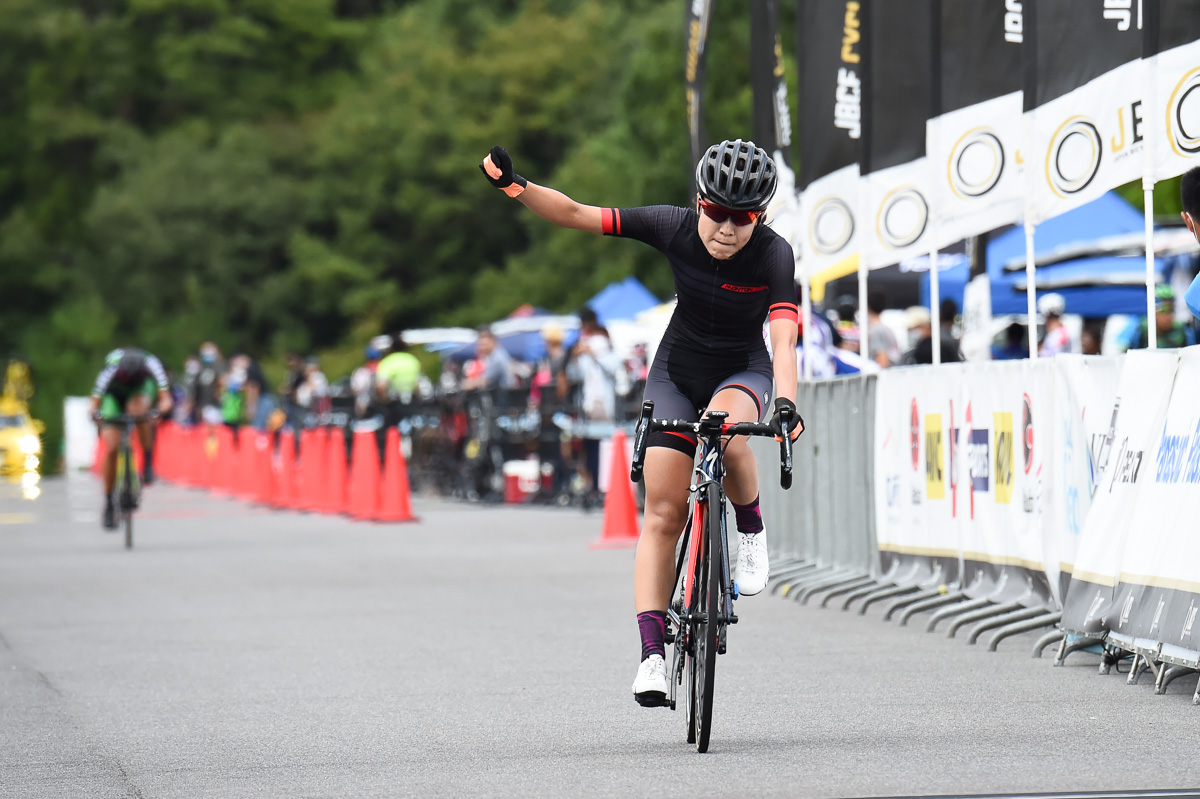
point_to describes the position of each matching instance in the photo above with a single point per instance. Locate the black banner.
(829, 51)
(772, 118)
(898, 85)
(1071, 42)
(698, 14)
(979, 53)
(1169, 24)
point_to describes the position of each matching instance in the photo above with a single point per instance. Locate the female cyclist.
(731, 272)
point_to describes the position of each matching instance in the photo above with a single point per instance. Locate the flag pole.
(1149, 46)
(1030, 290)
(806, 325)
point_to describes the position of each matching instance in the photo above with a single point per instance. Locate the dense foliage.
(278, 174)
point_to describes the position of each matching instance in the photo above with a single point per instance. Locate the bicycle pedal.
(735, 591)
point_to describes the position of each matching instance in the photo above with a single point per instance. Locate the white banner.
(1176, 110)
(1138, 414)
(1085, 392)
(898, 213)
(913, 495)
(976, 174)
(1086, 143)
(829, 209)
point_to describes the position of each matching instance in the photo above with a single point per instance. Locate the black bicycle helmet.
(130, 362)
(738, 175)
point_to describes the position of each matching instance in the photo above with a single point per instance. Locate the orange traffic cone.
(362, 501)
(620, 529)
(283, 489)
(312, 469)
(335, 474)
(395, 504)
(98, 455)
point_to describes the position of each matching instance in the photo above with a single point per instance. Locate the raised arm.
(549, 204)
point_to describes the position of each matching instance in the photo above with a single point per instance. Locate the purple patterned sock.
(653, 626)
(749, 519)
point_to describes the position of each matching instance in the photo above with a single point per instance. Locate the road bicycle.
(701, 606)
(128, 487)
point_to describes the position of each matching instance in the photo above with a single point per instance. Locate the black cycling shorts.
(682, 383)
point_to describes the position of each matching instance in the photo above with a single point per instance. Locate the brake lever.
(639, 441)
(785, 449)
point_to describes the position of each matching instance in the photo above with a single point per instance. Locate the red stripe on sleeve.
(785, 310)
(607, 218)
(617, 220)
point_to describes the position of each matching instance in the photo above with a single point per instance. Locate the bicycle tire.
(127, 497)
(706, 634)
(690, 580)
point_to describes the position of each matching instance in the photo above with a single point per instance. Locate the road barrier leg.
(1143, 663)
(928, 604)
(1168, 676)
(1052, 637)
(1112, 655)
(801, 590)
(1000, 621)
(844, 578)
(954, 610)
(1196, 696)
(987, 612)
(885, 593)
(1036, 623)
(905, 601)
(861, 582)
(804, 579)
(866, 590)
(778, 581)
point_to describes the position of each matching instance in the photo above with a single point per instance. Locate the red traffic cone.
(335, 474)
(620, 529)
(225, 475)
(395, 503)
(283, 489)
(362, 501)
(312, 469)
(98, 455)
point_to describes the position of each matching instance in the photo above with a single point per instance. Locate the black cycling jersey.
(714, 339)
(721, 304)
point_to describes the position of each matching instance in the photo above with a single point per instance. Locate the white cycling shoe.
(753, 567)
(650, 686)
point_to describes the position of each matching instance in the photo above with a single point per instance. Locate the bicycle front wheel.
(707, 600)
(127, 498)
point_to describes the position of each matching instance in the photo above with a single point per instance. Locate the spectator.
(597, 365)
(882, 347)
(920, 327)
(1092, 336)
(550, 379)
(185, 410)
(495, 366)
(363, 383)
(290, 387)
(1056, 338)
(1014, 347)
(233, 396)
(313, 394)
(259, 401)
(847, 327)
(1170, 334)
(207, 399)
(1189, 190)
(948, 318)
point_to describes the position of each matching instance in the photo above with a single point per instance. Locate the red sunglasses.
(718, 214)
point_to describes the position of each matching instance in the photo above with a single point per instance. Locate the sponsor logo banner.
(976, 172)
(1086, 143)
(899, 212)
(829, 211)
(1176, 115)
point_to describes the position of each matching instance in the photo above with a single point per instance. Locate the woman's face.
(723, 240)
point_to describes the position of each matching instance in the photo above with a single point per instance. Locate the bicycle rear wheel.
(706, 600)
(127, 498)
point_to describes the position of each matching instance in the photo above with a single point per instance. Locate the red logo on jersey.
(743, 289)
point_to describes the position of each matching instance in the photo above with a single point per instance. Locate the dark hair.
(875, 302)
(949, 310)
(587, 315)
(1189, 191)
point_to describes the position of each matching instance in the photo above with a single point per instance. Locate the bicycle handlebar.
(710, 427)
(128, 418)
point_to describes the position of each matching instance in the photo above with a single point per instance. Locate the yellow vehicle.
(20, 439)
(20, 435)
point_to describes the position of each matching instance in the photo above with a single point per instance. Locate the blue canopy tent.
(1092, 286)
(622, 300)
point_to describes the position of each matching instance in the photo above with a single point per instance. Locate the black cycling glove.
(797, 423)
(497, 167)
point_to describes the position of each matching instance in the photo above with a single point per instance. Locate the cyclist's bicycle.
(701, 606)
(128, 487)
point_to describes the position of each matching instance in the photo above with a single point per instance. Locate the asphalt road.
(488, 652)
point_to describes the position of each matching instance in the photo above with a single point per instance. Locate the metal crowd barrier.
(823, 529)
